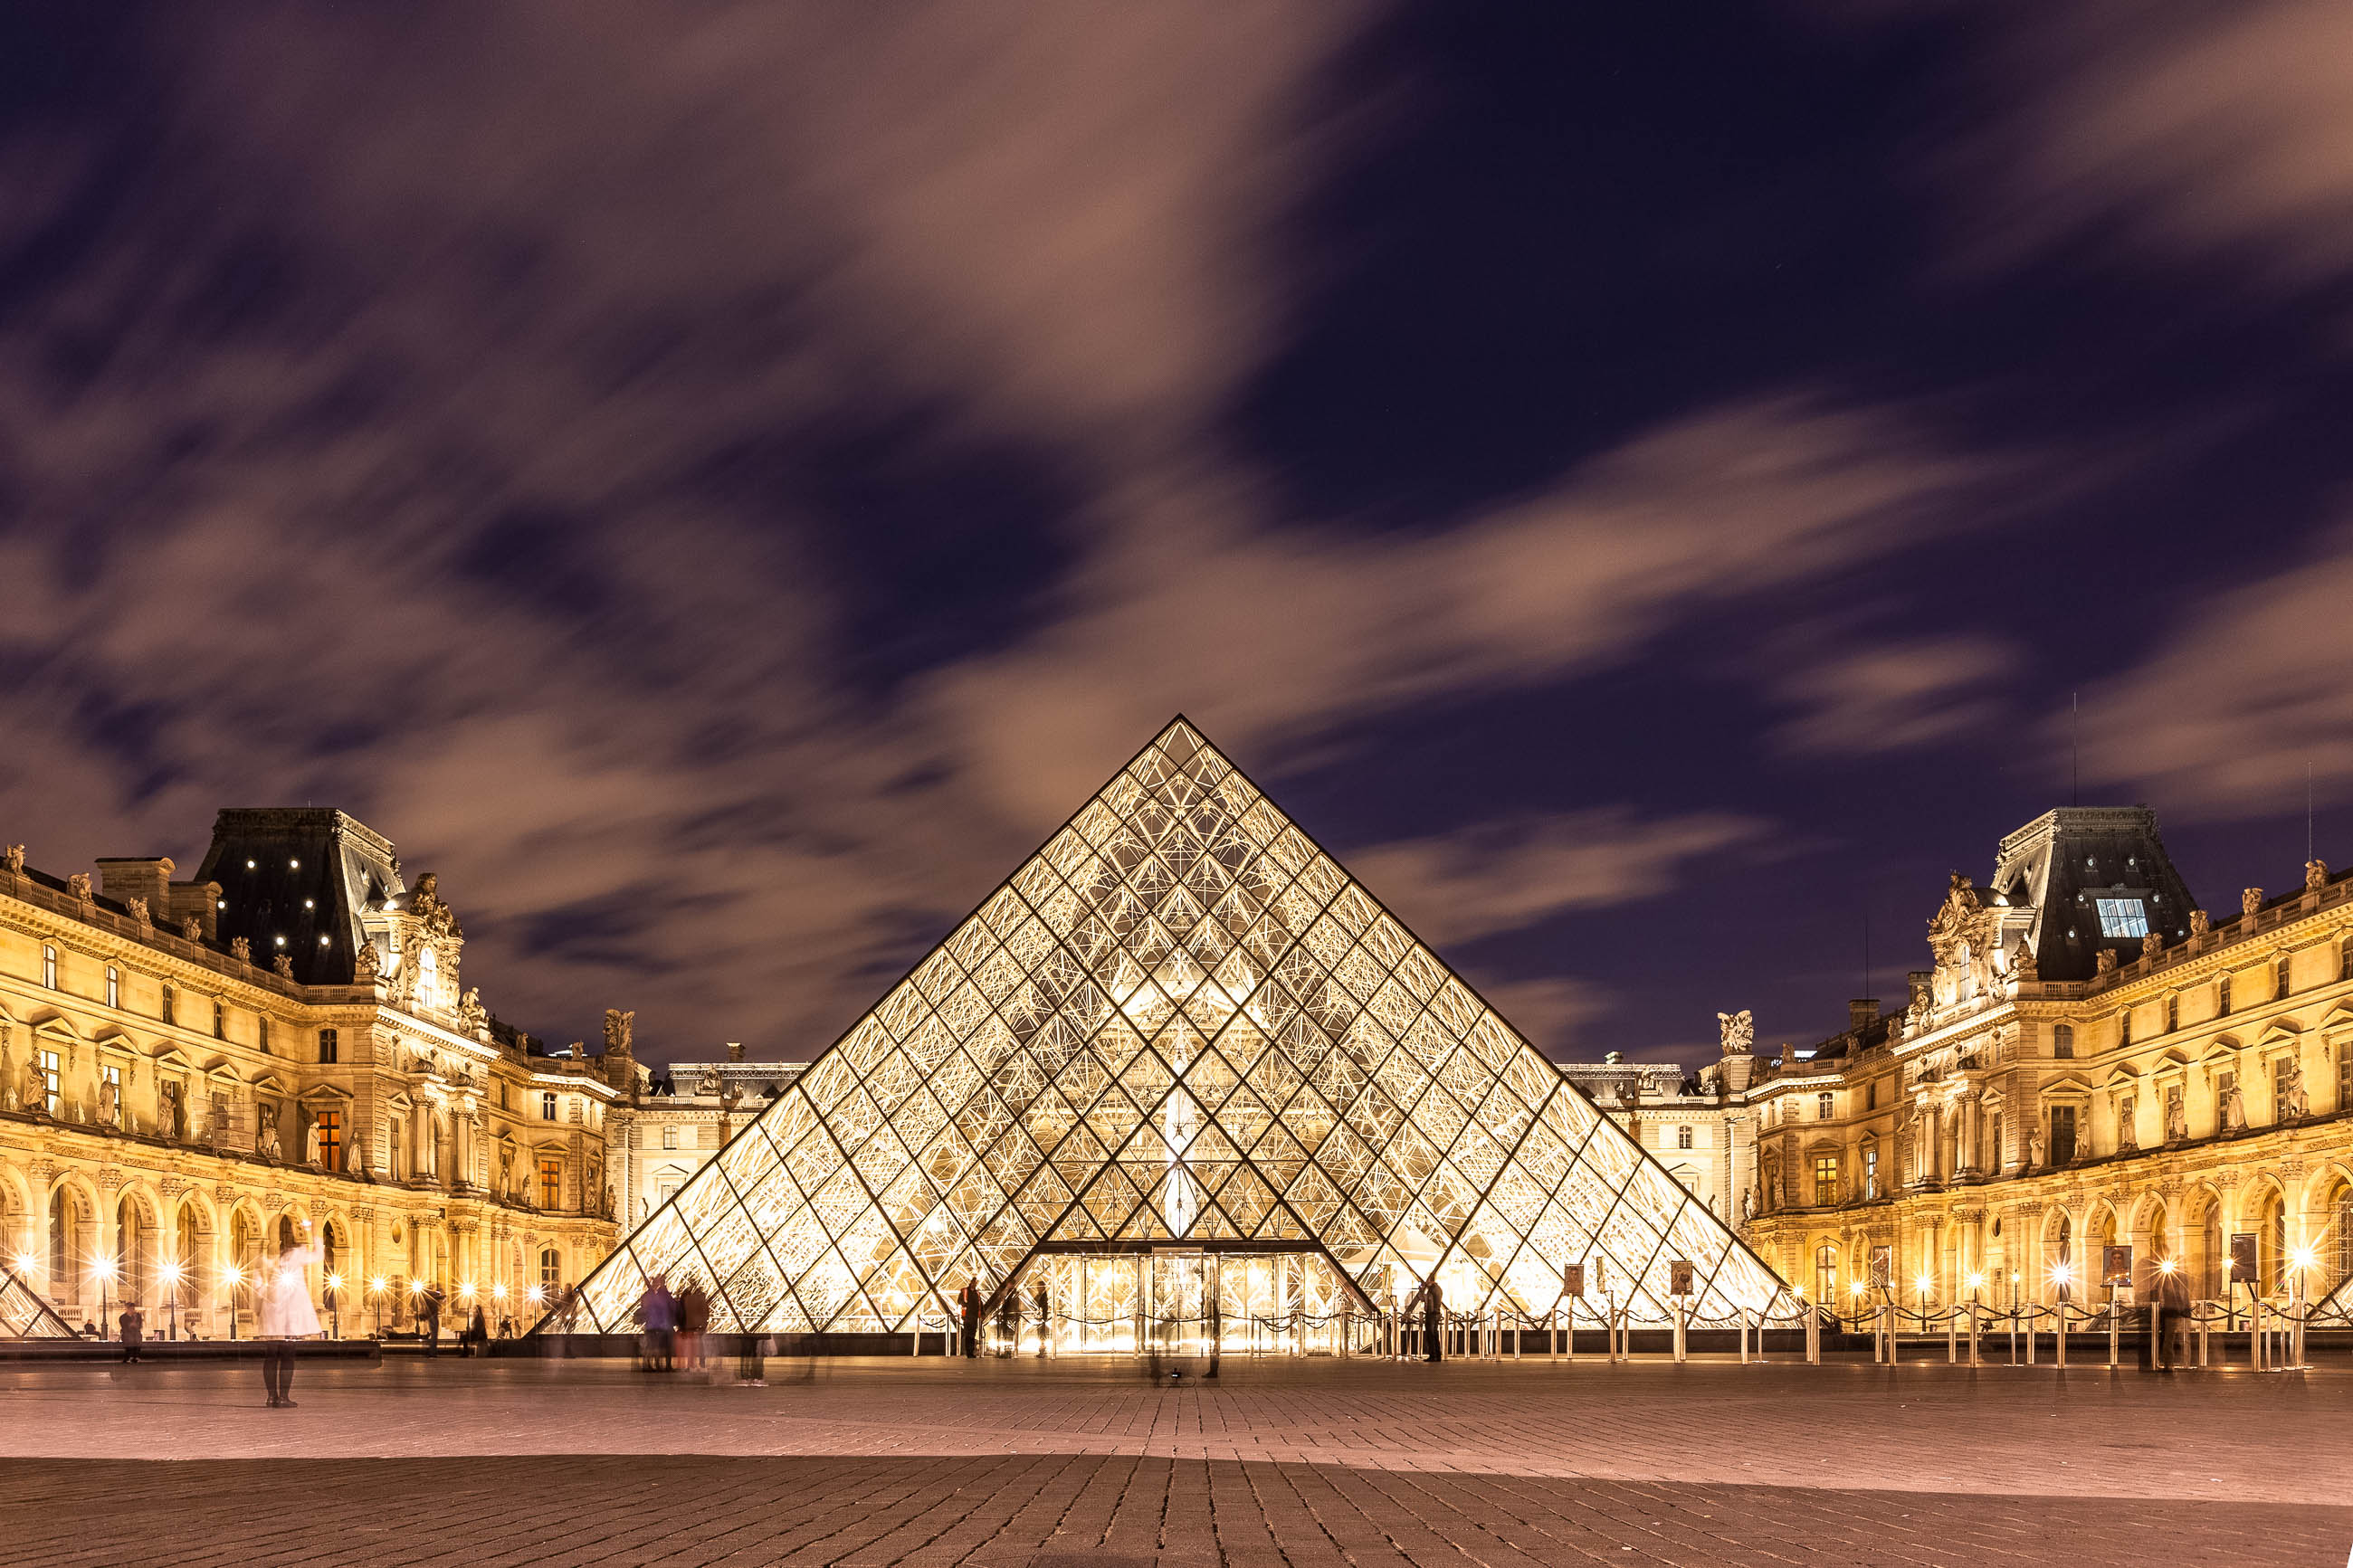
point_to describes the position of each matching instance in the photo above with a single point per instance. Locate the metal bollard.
(2205, 1337)
(2029, 1341)
(1744, 1335)
(1680, 1312)
(1953, 1337)
(1973, 1335)
(2059, 1332)
(2115, 1325)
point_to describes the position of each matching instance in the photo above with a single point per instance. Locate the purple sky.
(719, 484)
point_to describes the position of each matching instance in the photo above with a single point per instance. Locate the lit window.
(327, 1048)
(330, 1138)
(670, 1137)
(1683, 1137)
(49, 966)
(550, 1269)
(113, 986)
(1826, 1185)
(2122, 916)
(547, 1106)
(1871, 1170)
(49, 1078)
(1825, 1105)
(551, 1181)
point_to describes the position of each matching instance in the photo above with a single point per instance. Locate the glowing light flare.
(2062, 1275)
(2303, 1258)
(378, 1283)
(497, 1292)
(1977, 1281)
(2166, 1266)
(27, 1262)
(334, 1281)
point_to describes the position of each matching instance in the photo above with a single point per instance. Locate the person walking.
(969, 1303)
(2170, 1316)
(434, 1300)
(286, 1315)
(478, 1333)
(693, 1318)
(659, 1309)
(134, 1324)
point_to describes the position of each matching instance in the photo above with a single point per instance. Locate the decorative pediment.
(2124, 1075)
(56, 1026)
(270, 1080)
(2072, 1087)
(2222, 1050)
(114, 1042)
(2280, 1030)
(174, 1057)
(318, 1093)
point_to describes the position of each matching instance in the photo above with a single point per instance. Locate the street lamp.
(231, 1277)
(375, 1289)
(172, 1272)
(104, 1268)
(335, 1303)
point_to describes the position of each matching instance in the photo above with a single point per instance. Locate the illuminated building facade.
(1179, 1073)
(685, 1117)
(2092, 1061)
(189, 1069)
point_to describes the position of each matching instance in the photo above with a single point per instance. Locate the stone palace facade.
(2092, 1061)
(190, 1069)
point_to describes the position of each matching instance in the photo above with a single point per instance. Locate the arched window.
(49, 966)
(1683, 1137)
(113, 986)
(2063, 1041)
(2280, 984)
(2172, 1013)
(65, 1247)
(1826, 1275)
(186, 1254)
(2222, 997)
(550, 1270)
(133, 1248)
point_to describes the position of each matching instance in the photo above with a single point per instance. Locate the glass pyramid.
(25, 1316)
(1179, 1033)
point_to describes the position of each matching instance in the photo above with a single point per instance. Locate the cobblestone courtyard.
(1001, 1464)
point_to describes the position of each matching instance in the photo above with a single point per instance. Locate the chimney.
(1861, 1013)
(148, 878)
(735, 1050)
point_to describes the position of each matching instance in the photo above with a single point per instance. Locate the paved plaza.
(1001, 1464)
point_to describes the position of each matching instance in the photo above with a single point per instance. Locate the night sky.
(719, 483)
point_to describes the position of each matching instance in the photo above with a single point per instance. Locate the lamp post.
(375, 1292)
(231, 1277)
(104, 1268)
(334, 1305)
(172, 1297)
(2303, 1259)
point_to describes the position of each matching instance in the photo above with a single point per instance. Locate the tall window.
(49, 966)
(1683, 1137)
(49, 1079)
(2124, 1028)
(2280, 982)
(2063, 1041)
(547, 1106)
(669, 1138)
(109, 1074)
(170, 1003)
(2062, 1134)
(1871, 1170)
(330, 1141)
(550, 1269)
(551, 1181)
(328, 1044)
(1826, 1275)
(113, 986)
(1826, 1191)
(2343, 1080)
(2172, 1013)
(1871, 1095)
(2222, 997)
(262, 1031)
(1997, 1140)
(220, 1019)
(1825, 1105)
(2281, 1071)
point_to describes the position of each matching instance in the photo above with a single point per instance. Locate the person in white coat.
(287, 1315)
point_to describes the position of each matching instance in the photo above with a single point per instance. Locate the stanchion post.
(1952, 1336)
(1813, 1335)
(2059, 1328)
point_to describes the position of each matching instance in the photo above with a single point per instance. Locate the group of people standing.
(674, 1325)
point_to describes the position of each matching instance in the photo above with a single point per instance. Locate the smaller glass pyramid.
(1179, 1067)
(25, 1316)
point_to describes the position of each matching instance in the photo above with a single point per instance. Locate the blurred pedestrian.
(2169, 1316)
(286, 1315)
(693, 1318)
(658, 1311)
(478, 1333)
(430, 1306)
(133, 1324)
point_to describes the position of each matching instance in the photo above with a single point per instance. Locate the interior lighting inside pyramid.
(1185, 1077)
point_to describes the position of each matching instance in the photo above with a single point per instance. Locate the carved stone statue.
(472, 1015)
(34, 1096)
(708, 1082)
(240, 949)
(2024, 964)
(2129, 1124)
(2176, 1117)
(366, 964)
(284, 966)
(176, 1111)
(109, 1102)
(265, 1136)
(2201, 923)
(2106, 961)
(2316, 875)
(79, 886)
(16, 859)
(605, 1210)
(620, 1030)
(311, 1142)
(2249, 900)
(355, 1154)
(1737, 1031)
(2034, 1149)
(138, 908)
(191, 929)
(2234, 1108)
(2152, 944)
(2293, 1104)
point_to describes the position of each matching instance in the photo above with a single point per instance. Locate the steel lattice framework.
(1179, 1023)
(25, 1316)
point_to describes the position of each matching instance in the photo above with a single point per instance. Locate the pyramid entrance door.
(1184, 1071)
